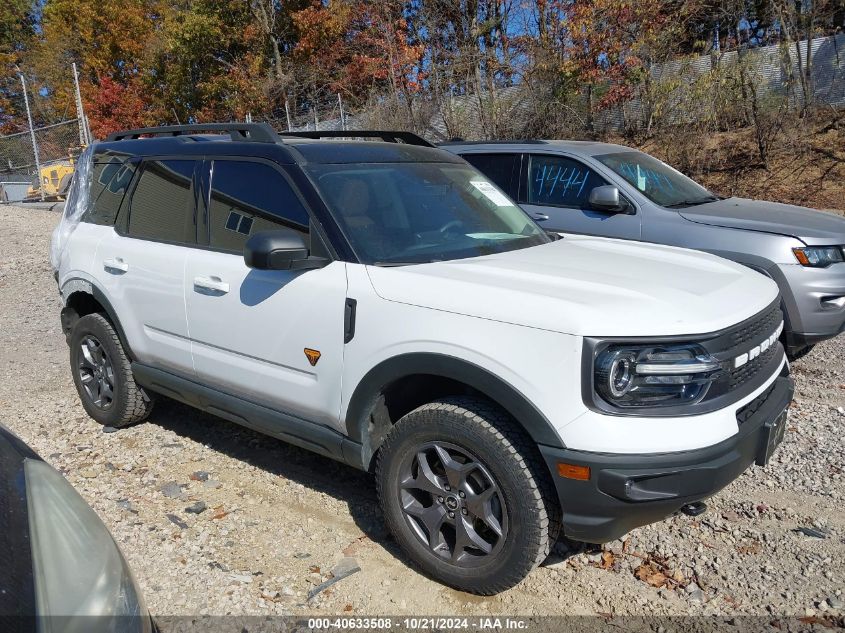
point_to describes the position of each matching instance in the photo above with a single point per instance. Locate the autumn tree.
(17, 22)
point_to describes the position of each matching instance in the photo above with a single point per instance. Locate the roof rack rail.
(409, 138)
(244, 132)
(528, 141)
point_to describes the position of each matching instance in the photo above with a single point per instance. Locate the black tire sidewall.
(519, 552)
(96, 326)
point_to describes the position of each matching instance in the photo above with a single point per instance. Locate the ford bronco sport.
(384, 304)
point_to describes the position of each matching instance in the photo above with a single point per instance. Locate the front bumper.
(625, 491)
(813, 301)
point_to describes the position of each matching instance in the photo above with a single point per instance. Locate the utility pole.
(342, 117)
(84, 134)
(32, 135)
(287, 114)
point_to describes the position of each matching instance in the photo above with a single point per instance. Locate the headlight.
(819, 256)
(630, 376)
(79, 570)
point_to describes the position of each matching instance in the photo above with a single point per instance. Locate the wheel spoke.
(95, 350)
(87, 361)
(480, 506)
(466, 536)
(425, 480)
(432, 519)
(456, 472)
(105, 390)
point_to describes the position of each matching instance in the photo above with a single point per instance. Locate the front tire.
(465, 493)
(103, 376)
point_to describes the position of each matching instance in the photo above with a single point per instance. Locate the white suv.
(382, 303)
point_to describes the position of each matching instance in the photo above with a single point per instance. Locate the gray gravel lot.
(278, 519)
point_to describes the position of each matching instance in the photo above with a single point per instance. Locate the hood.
(587, 286)
(818, 228)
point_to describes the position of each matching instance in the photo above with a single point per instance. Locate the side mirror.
(606, 198)
(279, 250)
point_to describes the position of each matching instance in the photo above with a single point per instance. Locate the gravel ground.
(277, 520)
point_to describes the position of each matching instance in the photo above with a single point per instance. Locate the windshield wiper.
(692, 203)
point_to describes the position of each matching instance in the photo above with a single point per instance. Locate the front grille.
(739, 340)
(741, 375)
(758, 328)
(754, 406)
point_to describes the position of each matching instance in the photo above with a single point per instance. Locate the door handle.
(211, 283)
(116, 264)
(539, 217)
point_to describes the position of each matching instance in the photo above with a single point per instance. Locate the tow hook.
(694, 509)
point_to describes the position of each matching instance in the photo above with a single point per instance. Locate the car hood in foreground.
(587, 286)
(812, 227)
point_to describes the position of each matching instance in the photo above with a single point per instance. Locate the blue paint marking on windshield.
(644, 178)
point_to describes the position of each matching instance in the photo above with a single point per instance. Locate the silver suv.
(615, 191)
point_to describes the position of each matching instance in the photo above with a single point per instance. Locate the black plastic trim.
(349, 312)
(242, 132)
(100, 297)
(279, 424)
(409, 138)
(606, 507)
(367, 392)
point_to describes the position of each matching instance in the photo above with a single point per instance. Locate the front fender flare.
(490, 385)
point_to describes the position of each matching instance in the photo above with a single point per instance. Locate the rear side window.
(109, 183)
(561, 182)
(248, 197)
(502, 169)
(162, 206)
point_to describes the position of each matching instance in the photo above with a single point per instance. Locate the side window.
(561, 182)
(162, 206)
(248, 197)
(109, 183)
(502, 169)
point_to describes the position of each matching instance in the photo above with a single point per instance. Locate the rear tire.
(466, 494)
(103, 376)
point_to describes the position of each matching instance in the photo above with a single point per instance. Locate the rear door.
(555, 190)
(141, 263)
(503, 169)
(272, 337)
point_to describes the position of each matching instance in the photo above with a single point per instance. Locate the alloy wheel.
(96, 372)
(453, 504)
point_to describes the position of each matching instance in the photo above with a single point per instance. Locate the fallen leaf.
(314, 569)
(649, 574)
(219, 513)
(607, 560)
(347, 608)
(750, 548)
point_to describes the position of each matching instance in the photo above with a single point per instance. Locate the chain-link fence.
(56, 147)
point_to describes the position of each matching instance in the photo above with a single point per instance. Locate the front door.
(556, 194)
(272, 337)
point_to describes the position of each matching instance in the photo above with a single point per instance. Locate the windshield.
(409, 213)
(657, 181)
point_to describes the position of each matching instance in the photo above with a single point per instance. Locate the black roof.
(326, 152)
(260, 140)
